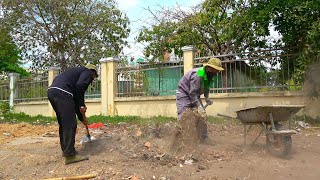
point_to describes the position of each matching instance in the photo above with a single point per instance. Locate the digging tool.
(87, 137)
(89, 176)
(203, 114)
(205, 106)
(202, 122)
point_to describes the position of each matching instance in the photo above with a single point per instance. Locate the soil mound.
(187, 137)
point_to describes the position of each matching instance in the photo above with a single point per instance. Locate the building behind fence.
(259, 71)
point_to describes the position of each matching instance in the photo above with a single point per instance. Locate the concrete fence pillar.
(13, 92)
(188, 58)
(52, 73)
(108, 85)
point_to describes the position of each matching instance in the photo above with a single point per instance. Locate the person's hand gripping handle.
(83, 110)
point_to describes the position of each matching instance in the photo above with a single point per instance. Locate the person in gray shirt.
(195, 83)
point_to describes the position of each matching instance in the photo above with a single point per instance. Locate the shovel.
(202, 123)
(203, 114)
(87, 137)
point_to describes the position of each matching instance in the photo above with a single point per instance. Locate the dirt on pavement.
(128, 151)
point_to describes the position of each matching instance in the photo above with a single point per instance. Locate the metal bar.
(245, 134)
(272, 122)
(257, 137)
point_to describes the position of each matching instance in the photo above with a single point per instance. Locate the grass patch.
(130, 119)
(219, 120)
(39, 119)
(22, 117)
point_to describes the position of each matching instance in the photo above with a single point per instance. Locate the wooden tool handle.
(86, 125)
(88, 176)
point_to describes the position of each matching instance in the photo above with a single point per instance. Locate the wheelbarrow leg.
(272, 122)
(246, 131)
(245, 134)
(262, 130)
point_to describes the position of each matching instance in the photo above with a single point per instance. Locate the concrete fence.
(110, 104)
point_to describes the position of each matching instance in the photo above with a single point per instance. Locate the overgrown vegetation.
(4, 107)
(65, 33)
(10, 117)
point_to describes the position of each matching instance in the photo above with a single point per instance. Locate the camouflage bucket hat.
(214, 63)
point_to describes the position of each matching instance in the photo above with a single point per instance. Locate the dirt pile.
(11, 131)
(187, 135)
(126, 150)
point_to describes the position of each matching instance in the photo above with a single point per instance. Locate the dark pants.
(64, 106)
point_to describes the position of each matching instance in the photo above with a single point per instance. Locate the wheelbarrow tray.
(262, 113)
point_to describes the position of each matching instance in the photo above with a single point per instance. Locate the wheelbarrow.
(269, 118)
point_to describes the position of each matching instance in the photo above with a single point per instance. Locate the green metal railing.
(257, 71)
(149, 79)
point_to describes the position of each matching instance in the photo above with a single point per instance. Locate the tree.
(10, 61)
(299, 24)
(66, 33)
(221, 26)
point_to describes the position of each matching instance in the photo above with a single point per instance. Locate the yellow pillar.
(108, 85)
(188, 58)
(52, 73)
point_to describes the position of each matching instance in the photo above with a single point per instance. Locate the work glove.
(209, 101)
(201, 110)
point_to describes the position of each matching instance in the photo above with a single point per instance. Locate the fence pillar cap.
(109, 59)
(14, 74)
(187, 48)
(54, 68)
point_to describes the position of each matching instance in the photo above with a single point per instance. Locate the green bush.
(4, 107)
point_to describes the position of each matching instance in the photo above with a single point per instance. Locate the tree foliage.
(10, 61)
(222, 26)
(299, 23)
(66, 32)
(229, 26)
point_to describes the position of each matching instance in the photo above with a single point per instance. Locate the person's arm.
(78, 112)
(194, 89)
(81, 86)
(206, 95)
(206, 92)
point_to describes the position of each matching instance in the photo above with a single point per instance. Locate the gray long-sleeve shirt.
(190, 86)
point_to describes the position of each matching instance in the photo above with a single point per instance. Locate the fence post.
(188, 58)
(13, 92)
(52, 73)
(108, 85)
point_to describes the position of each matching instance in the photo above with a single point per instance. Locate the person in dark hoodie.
(66, 95)
(192, 85)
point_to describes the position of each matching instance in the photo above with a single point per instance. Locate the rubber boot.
(75, 159)
(76, 153)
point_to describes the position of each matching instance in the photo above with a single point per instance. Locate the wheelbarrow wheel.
(279, 144)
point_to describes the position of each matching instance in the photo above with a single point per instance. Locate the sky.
(138, 15)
